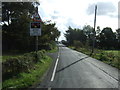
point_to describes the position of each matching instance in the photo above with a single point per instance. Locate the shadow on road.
(70, 65)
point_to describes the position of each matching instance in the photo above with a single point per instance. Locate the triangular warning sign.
(37, 18)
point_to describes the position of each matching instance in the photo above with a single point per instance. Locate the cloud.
(56, 12)
(71, 23)
(54, 17)
(114, 16)
(77, 13)
(103, 8)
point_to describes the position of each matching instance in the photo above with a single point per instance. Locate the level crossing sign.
(37, 18)
(35, 29)
(35, 26)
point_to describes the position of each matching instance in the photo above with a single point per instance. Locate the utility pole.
(93, 45)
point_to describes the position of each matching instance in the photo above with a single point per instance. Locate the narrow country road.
(73, 69)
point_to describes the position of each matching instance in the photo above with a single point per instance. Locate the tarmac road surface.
(73, 69)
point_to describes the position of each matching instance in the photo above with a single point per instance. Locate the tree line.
(104, 39)
(16, 18)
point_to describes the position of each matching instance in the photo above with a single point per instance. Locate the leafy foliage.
(16, 33)
(16, 65)
(104, 39)
(25, 80)
(107, 39)
(75, 34)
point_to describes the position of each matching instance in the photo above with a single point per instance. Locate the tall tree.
(107, 38)
(118, 37)
(49, 34)
(88, 30)
(16, 17)
(75, 35)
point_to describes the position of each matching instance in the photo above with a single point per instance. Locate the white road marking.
(49, 88)
(53, 75)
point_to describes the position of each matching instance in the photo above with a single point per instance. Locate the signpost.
(35, 27)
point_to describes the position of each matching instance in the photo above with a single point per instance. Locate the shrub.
(77, 44)
(102, 56)
(15, 65)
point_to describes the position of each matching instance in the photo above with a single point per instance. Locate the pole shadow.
(70, 65)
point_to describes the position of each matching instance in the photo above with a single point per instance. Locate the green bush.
(77, 44)
(25, 80)
(15, 65)
(102, 56)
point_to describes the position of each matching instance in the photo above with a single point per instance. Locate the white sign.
(35, 29)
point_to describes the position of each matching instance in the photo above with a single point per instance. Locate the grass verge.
(110, 57)
(5, 57)
(53, 50)
(25, 80)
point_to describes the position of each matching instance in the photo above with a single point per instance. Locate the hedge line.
(15, 65)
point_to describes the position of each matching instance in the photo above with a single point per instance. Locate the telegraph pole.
(93, 45)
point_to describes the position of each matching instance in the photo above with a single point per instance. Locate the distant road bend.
(73, 69)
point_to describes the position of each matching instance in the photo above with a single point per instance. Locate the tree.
(49, 34)
(75, 35)
(16, 17)
(118, 37)
(98, 30)
(69, 35)
(16, 35)
(88, 30)
(97, 37)
(107, 38)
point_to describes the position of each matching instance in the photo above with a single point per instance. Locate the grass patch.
(115, 52)
(5, 57)
(110, 57)
(53, 50)
(71, 47)
(0, 58)
(25, 80)
(12, 54)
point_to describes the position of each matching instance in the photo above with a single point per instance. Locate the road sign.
(37, 18)
(35, 29)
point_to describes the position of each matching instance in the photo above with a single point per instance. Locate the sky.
(78, 13)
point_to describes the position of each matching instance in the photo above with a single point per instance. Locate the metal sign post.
(36, 43)
(35, 28)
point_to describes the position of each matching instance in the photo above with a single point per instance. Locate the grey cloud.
(54, 17)
(56, 12)
(71, 23)
(114, 16)
(103, 8)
